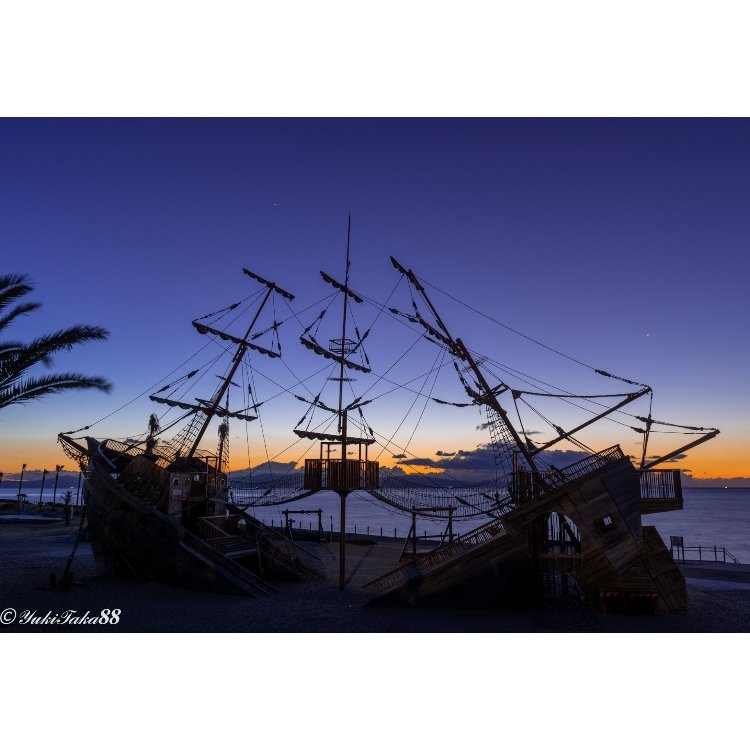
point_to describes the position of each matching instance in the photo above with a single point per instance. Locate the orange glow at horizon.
(719, 458)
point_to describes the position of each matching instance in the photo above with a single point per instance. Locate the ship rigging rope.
(250, 298)
(530, 338)
(408, 411)
(144, 392)
(180, 366)
(563, 396)
(249, 367)
(426, 476)
(518, 373)
(427, 399)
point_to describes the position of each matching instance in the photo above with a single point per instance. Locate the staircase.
(233, 546)
(232, 575)
(240, 535)
(424, 565)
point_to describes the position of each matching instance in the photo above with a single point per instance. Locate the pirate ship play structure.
(166, 511)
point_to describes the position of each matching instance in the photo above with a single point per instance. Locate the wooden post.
(20, 481)
(342, 495)
(342, 546)
(41, 490)
(58, 469)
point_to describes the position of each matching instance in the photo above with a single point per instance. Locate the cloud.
(399, 455)
(678, 457)
(532, 432)
(418, 462)
(445, 453)
(483, 426)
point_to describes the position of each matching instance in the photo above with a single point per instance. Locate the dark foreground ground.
(719, 598)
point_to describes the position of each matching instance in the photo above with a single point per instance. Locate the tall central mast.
(343, 423)
(343, 331)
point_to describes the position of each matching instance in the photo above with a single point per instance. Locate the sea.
(710, 517)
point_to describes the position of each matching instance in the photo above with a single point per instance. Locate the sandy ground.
(719, 598)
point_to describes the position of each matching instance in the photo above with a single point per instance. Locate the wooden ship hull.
(600, 553)
(199, 542)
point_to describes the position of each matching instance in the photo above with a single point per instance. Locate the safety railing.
(327, 474)
(211, 527)
(660, 484)
(273, 542)
(560, 477)
(703, 553)
(430, 560)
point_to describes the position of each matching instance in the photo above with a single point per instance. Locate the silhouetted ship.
(571, 535)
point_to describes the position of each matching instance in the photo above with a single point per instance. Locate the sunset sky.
(621, 243)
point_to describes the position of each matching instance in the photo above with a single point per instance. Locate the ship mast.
(343, 332)
(213, 407)
(343, 420)
(459, 349)
(338, 477)
(242, 346)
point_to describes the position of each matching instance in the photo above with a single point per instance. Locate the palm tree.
(223, 444)
(153, 429)
(16, 357)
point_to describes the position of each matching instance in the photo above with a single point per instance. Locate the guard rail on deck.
(212, 527)
(327, 474)
(661, 490)
(560, 477)
(430, 559)
(272, 540)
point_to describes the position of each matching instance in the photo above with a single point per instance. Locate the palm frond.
(33, 388)
(16, 357)
(22, 309)
(13, 286)
(15, 360)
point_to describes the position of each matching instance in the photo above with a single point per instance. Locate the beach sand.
(719, 598)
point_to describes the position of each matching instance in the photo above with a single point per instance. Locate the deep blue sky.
(621, 242)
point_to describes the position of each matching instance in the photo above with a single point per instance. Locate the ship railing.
(558, 478)
(525, 488)
(244, 525)
(660, 484)
(271, 538)
(429, 560)
(212, 527)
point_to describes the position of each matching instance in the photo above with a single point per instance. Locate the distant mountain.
(33, 479)
(264, 472)
(692, 482)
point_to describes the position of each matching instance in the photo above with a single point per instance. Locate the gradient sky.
(623, 243)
